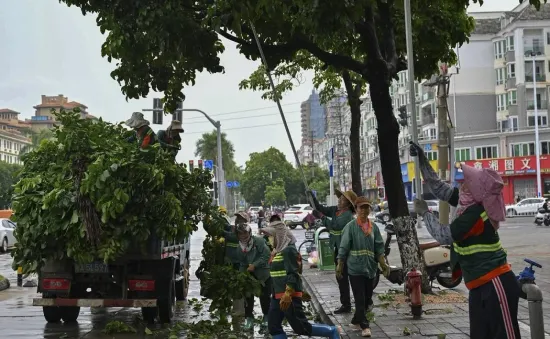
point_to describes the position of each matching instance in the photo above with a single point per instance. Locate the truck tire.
(167, 304)
(52, 314)
(149, 314)
(69, 314)
(182, 286)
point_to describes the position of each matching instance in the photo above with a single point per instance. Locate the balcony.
(428, 96)
(539, 77)
(533, 46)
(541, 104)
(427, 119)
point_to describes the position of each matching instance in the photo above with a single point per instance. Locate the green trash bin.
(325, 251)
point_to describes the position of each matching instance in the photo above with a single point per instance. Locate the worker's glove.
(384, 266)
(317, 214)
(415, 150)
(340, 269)
(420, 206)
(221, 240)
(286, 299)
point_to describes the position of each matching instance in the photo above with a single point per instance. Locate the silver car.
(7, 239)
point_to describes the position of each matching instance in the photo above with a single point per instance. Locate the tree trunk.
(388, 143)
(354, 101)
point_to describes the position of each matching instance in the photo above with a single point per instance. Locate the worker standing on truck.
(143, 134)
(286, 299)
(338, 217)
(254, 257)
(170, 139)
(362, 248)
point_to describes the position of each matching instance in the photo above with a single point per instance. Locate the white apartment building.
(491, 99)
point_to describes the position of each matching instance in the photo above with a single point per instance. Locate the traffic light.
(200, 164)
(191, 165)
(403, 116)
(157, 115)
(178, 115)
(215, 190)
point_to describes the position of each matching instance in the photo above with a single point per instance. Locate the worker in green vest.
(335, 219)
(362, 249)
(170, 139)
(143, 134)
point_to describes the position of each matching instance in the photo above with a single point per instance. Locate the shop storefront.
(519, 175)
(411, 176)
(371, 189)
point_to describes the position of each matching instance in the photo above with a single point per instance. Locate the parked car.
(7, 239)
(529, 206)
(296, 214)
(384, 215)
(253, 213)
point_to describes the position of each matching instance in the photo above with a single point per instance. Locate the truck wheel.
(52, 314)
(182, 286)
(167, 304)
(149, 314)
(70, 314)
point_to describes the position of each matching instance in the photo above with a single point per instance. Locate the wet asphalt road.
(20, 320)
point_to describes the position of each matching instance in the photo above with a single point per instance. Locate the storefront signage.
(513, 166)
(405, 172)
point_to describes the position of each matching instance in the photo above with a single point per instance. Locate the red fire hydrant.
(414, 291)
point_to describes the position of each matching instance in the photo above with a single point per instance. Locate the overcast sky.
(48, 48)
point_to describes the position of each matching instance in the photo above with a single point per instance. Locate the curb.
(4, 284)
(316, 304)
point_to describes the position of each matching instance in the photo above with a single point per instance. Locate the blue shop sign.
(404, 173)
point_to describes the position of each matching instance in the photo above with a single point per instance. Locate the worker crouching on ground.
(338, 217)
(170, 139)
(478, 255)
(143, 134)
(286, 301)
(362, 249)
(254, 258)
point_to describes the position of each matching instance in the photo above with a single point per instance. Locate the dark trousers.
(494, 309)
(294, 315)
(362, 293)
(265, 299)
(343, 284)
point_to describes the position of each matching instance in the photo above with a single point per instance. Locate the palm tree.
(207, 148)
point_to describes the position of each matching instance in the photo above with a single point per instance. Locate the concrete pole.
(443, 140)
(536, 318)
(221, 174)
(537, 141)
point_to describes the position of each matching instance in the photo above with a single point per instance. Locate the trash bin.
(326, 252)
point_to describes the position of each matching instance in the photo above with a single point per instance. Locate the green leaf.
(74, 218)
(148, 331)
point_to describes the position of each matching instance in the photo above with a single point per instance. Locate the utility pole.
(312, 155)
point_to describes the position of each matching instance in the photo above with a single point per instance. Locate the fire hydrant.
(413, 286)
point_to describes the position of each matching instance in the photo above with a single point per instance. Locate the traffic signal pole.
(443, 139)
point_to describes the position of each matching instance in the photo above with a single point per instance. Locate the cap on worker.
(241, 215)
(362, 201)
(176, 126)
(349, 195)
(137, 120)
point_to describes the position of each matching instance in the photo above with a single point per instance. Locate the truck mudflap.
(64, 302)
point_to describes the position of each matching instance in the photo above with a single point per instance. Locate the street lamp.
(217, 124)
(537, 142)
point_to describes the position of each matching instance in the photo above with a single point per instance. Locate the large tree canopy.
(207, 148)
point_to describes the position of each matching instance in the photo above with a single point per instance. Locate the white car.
(7, 239)
(529, 206)
(296, 214)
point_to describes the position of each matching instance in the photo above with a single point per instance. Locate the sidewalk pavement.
(446, 317)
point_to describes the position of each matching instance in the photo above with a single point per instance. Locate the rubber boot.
(322, 330)
(249, 324)
(279, 336)
(263, 326)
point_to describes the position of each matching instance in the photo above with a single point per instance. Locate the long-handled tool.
(276, 96)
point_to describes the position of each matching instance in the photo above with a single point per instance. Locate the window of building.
(431, 155)
(462, 154)
(512, 97)
(548, 38)
(511, 70)
(500, 49)
(486, 152)
(501, 102)
(501, 75)
(542, 120)
(510, 43)
(513, 122)
(522, 149)
(545, 147)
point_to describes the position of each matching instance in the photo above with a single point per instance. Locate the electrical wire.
(237, 118)
(247, 110)
(236, 128)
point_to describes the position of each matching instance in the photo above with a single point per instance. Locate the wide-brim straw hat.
(362, 201)
(176, 126)
(242, 215)
(137, 120)
(350, 195)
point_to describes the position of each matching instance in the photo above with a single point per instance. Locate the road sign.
(236, 184)
(229, 184)
(208, 164)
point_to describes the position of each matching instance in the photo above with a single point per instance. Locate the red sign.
(514, 166)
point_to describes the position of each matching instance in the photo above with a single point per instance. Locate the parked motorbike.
(542, 217)
(437, 259)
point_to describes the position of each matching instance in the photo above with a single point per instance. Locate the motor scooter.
(542, 217)
(437, 259)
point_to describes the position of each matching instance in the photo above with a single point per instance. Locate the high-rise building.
(313, 123)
